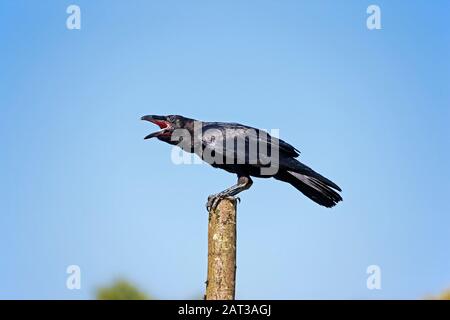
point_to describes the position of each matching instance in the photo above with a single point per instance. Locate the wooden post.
(221, 279)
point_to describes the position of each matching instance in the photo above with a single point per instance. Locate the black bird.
(245, 151)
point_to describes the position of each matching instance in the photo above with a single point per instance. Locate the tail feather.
(314, 186)
(294, 166)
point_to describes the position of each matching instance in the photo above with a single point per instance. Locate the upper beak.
(152, 118)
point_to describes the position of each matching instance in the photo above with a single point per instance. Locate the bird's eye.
(172, 118)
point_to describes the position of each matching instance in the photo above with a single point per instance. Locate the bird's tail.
(316, 187)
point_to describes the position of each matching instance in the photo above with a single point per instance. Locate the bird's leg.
(243, 183)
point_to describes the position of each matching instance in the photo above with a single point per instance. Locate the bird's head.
(167, 124)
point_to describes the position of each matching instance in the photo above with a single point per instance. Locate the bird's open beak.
(161, 122)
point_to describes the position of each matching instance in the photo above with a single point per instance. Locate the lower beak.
(151, 135)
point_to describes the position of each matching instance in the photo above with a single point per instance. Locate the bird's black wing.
(253, 135)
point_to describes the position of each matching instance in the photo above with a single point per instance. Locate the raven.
(239, 149)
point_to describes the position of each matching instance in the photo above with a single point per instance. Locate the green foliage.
(121, 290)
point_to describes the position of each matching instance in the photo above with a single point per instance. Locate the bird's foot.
(214, 199)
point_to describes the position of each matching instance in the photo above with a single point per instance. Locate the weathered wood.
(221, 279)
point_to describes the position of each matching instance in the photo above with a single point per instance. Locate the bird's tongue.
(160, 123)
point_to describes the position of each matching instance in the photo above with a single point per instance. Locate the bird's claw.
(214, 199)
(213, 202)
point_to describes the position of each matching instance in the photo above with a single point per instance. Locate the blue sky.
(368, 109)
